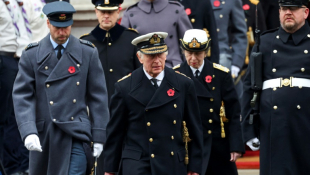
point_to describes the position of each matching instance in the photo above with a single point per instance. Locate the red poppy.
(246, 7)
(170, 92)
(188, 11)
(208, 78)
(71, 69)
(216, 3)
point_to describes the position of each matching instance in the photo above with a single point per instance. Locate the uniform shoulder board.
(176, 67)
(220, 67)
(31, 45)
(270, 31)
(132, 29)
(255, 2)
(87, 43)
(182, 74)
(124, 77)
(176, 3)
(84, 35)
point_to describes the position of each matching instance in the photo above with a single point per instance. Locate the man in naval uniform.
(58, 78)
(154, 113)
(283, 123)
(113, 41)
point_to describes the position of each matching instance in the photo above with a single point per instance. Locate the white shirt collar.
(55, 44)
(159, 77)
(200, 68)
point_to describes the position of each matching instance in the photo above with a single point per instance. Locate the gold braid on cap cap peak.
(151, 49)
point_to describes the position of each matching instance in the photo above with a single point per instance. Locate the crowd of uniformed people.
(157, 87)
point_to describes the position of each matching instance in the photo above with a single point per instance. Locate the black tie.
(59, 47)
(196, 73)
(155, 82)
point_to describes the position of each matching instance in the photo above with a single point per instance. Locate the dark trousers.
(78, 162)
(13, 154)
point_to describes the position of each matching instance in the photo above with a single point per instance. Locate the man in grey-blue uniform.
(230, 20)
(160, 15)
(58, 78)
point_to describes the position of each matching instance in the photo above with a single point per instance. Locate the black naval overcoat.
(216, 150)
(201, 15)
(51, 97)
(284, 112)
(146, 126)
(116, 53)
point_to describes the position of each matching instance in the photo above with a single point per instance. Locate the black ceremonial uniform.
(145, 129)
(284, 112)
(116, 53)
(201, 15)
(210, 96)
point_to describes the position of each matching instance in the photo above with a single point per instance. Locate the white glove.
(32, 143)
(234, 71)
(254, 144)
(98, 147)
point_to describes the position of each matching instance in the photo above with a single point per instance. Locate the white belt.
(292, 82)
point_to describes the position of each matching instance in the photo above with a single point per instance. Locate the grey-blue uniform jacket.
(165, 16)
(229, 15)
(51, 97)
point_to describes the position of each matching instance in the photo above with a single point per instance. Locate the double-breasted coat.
(51, 97)
(284, 112)
(160, 16)
(146, 126)
(220, 87)
(116, 63)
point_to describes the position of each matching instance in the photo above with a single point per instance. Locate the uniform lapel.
(142, 88)
(161, 96)
(207, 71)
(68, 64)
(46, 57)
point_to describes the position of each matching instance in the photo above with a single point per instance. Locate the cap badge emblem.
(62, 17)
(194, 43)
(155, 39)
(106, 2)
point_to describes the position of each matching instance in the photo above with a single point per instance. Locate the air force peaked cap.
(59, 13)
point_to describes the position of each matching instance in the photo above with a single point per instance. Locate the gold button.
(210, 121)
(193, 20)
(54, 120)
(77, 83)
(148, 124)
(110, 44)
(209, 132)
(213, 88)
(306, 51)
(151, 140)
(277, 36)
(275, 107)
(172, 137)
(47, 85)
(302, 69)
(78, 65)
(221, 16)
(175, 105)
(172, 153)
(211, 99)
(308, 35)
(72, 118)
(211, 110)
(246, 20)
(275, 51)
(74, 100)
(274, 89)
(174, 122)
(298, 107)
(274, 70)
(152, 155)
(218, 30)
(51, 102)
(300, 87)
(223, 2)
(46, 67)
(111, 70)
(146, 110)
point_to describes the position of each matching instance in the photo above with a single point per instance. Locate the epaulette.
(220, 67)
(31, 45)
(132, 29)
(84, 35)
(269, 31)
(182, 74)
(175, 2)
(124, 77)
(87, 43)
(176, 67)
(255, 2)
